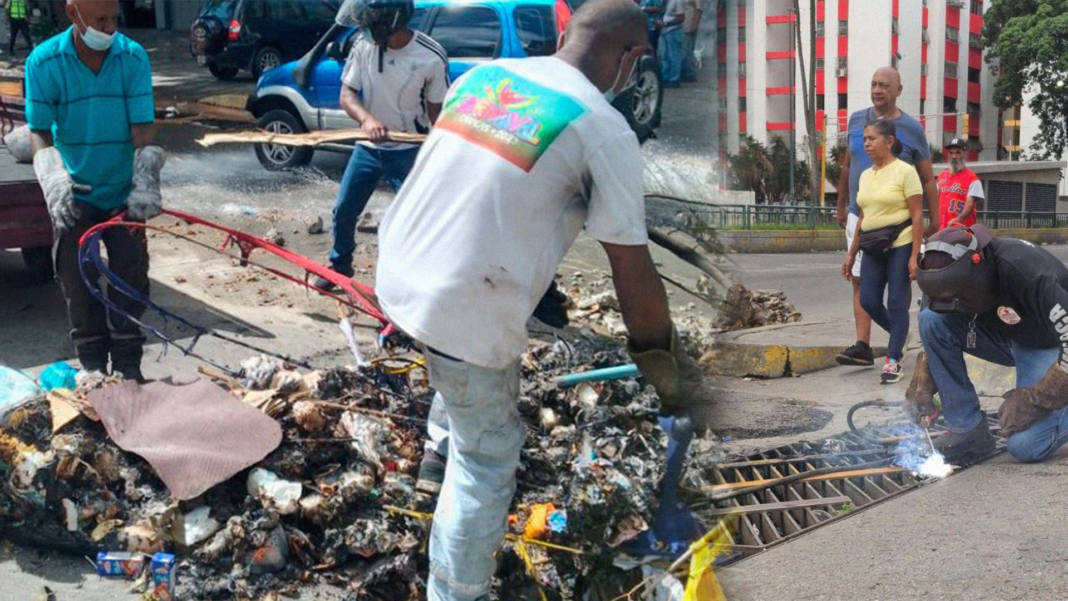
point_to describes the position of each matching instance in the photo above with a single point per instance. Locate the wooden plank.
(799, 504)
(833, 476)
(309, 139)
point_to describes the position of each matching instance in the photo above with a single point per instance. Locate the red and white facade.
(934, 43)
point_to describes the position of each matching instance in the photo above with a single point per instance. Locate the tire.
(265, 59)
(641, 104)
(222, 73)
(275, 157)
(39, 261)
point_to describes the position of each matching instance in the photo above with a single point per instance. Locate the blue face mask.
(611, 93)
(94, 38)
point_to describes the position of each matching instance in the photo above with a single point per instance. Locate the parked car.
(303, 95)
(257, 35)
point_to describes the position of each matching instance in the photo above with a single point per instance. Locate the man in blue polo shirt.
(89, 106)
(885, 89)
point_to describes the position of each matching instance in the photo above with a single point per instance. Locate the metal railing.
(766, 216)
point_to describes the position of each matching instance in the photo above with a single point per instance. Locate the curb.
(730, 355)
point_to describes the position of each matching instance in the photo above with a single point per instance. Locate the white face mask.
(611, 93)
(94, 38)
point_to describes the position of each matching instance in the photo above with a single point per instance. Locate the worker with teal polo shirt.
(89, 105)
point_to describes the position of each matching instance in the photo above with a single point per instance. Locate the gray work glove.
(145, 201)
(58, 187)
(676, 377)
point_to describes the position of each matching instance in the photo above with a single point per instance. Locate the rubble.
(744, 308)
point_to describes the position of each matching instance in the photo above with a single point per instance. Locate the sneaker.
(966, 447)
(326, 285)
(858, 354)
(891, 372)
(431, 473)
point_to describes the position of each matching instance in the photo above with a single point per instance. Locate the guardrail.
(793, 217)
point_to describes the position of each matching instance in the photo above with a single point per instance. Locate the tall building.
(935, 44)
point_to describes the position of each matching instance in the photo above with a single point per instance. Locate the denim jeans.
(366, 167)
(944, 338)
(689, 62)
(485, 436)
(671, 56)
(888, 272)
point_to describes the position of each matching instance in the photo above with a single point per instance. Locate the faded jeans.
(671, 56)
(366, 167)
(944, 336)
(485, 436)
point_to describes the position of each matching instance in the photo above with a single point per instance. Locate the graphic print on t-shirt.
(513, 117)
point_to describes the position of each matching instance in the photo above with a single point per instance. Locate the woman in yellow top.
(890, 197)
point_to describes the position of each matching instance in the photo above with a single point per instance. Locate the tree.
(766, 171)
(1027, 45)
(835, 158)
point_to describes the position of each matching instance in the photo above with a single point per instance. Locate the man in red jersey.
(959, 189)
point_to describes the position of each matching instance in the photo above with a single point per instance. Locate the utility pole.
(796, 17)
(808, 89)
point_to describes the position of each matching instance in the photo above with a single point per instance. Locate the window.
(468, 31)
(741, 104)
(949, 105)
(819, 64)
(843, 27)
(976, 8)
(722, 103)
(819, 29)
(923, 70)
(951, 70)
(974, 110)
(923, 101)
(843, 102)
(741, 70)
(721, 35)
(926, 37)
(741, 34)
(536, 27)
(819, 102)
(973, 75)
(894, 27)
(975, 41)
(721, 71)
(843, 63)
(952, 34)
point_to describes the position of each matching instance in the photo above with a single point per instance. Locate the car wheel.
(39, 261)
(222, 73)
(642, 103)
(266, 58)
(276, 157)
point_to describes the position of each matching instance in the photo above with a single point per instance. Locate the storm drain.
(826, 480)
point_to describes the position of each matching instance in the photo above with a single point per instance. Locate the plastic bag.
(16, 390)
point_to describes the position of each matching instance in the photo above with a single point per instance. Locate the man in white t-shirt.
(525, 154)
(395, 80)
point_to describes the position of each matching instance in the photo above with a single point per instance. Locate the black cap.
(957, 143)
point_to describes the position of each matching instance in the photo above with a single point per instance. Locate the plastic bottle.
(58, 375)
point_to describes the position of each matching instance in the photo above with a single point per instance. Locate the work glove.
(552, 308)
(677, 379)
(1025, 406)
(57, 186)
(145, 201)
(919, 397)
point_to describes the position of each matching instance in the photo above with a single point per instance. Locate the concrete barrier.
(793, 241)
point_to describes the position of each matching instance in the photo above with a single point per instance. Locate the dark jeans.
(90, 332)
(878, 273)
(19, 25)
(366, 167)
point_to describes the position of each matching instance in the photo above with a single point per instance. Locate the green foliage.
(835, 158)
(936, 154)
(1027, 44)
(766, 171)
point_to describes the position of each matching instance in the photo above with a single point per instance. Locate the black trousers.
(19, 25)
(95, 331)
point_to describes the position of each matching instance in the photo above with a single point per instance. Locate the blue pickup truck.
(302, 95)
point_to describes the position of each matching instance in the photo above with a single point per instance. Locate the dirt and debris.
(743, 308)
(336, 502)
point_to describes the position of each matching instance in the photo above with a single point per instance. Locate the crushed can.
(163, 585)
(126, 565)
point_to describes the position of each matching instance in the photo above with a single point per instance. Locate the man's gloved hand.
(145, 201)
(676, 377)
(552, 308)
(919, 397)
(1025, 406)
(1018, 411)
(58, 187)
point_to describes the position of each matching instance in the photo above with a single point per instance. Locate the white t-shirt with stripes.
(410, 78)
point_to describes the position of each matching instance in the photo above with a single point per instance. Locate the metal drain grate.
(782, 512)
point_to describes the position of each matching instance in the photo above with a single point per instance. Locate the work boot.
(130, 372)
(93, 355)
(431, 473)
(858, 354)
(966, 447)
(326, 285)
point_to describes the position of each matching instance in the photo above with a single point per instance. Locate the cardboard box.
(163, 565)
(127, 565)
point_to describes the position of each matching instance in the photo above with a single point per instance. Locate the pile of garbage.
(280, 478)
(743, 308)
